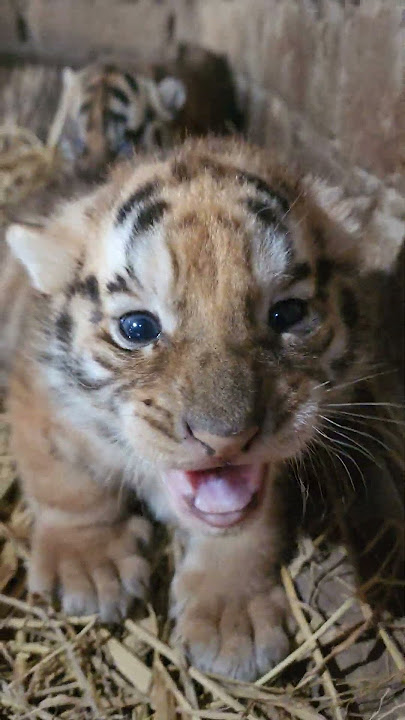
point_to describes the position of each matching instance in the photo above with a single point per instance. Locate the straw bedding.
(343, 663)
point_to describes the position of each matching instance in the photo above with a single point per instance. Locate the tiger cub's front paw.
(237, 635)
(97, 569)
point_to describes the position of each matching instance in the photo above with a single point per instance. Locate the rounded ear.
(47, 261)
(68, 77)
(172, 93)
(367, 229)
(64, 123)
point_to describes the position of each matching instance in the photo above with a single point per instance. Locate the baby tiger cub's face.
(191, 318)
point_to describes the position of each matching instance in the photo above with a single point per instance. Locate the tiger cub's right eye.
(287, 313)
(139, 328)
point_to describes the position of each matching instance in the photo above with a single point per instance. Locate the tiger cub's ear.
(173, 94)
(68, 127)
(366, 230)
(48, 261)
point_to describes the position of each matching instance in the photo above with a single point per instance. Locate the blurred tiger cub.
(193, 327)
(107, 112)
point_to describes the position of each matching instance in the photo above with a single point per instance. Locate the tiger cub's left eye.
(139, 328)
(287, 313)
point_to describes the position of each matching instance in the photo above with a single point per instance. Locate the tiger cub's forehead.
(200, 223)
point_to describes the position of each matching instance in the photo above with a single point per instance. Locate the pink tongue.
(225, 490)
(218, 495)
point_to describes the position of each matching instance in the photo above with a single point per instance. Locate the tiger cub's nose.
(225, 446)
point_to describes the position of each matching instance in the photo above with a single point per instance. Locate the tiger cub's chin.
(202, 315)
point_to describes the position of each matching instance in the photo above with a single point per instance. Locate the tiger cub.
(108, 112)
(195, 329)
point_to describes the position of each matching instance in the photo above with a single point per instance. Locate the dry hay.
(68, 667)
(26, 164)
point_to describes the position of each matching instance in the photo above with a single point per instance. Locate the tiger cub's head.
(198, 313)
(110, 112)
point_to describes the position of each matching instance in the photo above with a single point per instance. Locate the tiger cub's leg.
(95, 564)
(84, 543)
(229, 605)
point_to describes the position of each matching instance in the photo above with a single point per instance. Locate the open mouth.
(221, 496)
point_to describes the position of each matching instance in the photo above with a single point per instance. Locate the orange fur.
(208, 240)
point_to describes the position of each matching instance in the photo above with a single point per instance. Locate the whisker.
(400, 406)
(349, 457)
(392, 435)
(368, 366)
(289, 210)
(347, 470)
(361, 379)
(355, 416)
(313, 456)
(358, 432)
(336, 454)
(355, 463)
(317, 387)
(303, 489)
(354, 446)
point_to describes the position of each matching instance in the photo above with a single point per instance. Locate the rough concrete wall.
(322, 81)
(323, 78)
(76, 30)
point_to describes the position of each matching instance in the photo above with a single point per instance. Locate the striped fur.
(110, 112)
(207, 240)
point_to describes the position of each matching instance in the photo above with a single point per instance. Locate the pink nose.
(226, 446)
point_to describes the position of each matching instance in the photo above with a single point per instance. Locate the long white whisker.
(347, 470)
(303, 489)
(400, 406)
(352, 445)
(317, 387)
(312, 455)
(328, 450)
(289, 210)
(358, 432)
(390, 434)
(356, 416)
(349, 457)
(360, 379)
(355, 446)
(315, 459)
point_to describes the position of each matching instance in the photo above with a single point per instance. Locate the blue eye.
(287, 313)
(125, 149)
(139, 328)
